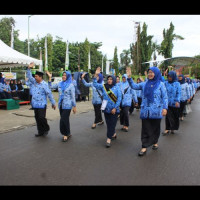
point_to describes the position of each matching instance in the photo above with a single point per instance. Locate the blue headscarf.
(188, 80)
(173, 75)
(183, 80)
(125, 84)
(162, 78)
(153, 84)
(100, 78)
(65, 84)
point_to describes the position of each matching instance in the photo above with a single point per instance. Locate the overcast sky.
(112, 30)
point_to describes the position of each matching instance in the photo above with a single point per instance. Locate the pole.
(79, 59)
(28, 36)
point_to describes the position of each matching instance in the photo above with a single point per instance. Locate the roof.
(12, 58)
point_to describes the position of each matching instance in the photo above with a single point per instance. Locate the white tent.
(12, 58)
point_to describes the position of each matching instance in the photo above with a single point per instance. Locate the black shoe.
(165, 133)
(38, 135)
(154, 147)
(65, 140)
(108, 145)
(125, 129)
(172, 132)
(141, 153)
(114, 137)
(93, 127)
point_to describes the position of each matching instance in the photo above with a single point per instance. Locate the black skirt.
(172, 118)
(150, 132)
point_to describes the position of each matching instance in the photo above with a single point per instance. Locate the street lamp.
(28, 36)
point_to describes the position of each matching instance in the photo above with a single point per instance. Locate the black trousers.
(150, 132)
(182, 106)
(131, 109)
(139, 102)
(64, 121)
(111, 122)
(172, 118)
(41, 121)
(98, 115)
(124, 117)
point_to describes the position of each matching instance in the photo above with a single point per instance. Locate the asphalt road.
(84, 160)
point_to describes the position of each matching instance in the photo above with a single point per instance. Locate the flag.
(46, 57)
(12, 38)
(89, 64)
(67, 57)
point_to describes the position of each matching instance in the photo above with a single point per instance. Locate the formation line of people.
(155, 97)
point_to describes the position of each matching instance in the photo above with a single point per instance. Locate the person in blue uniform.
(185, 95)
(40, 92)
(126, 102)
(139, 95)
(96, 99)
(2, 80)
(66, 102)
(153, 107)
(7, 90)
(112, 97)
(174, 94)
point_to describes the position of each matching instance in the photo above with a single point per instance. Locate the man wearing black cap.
(40, 92)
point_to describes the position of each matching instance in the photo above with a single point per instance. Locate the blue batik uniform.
(7, 87)
(173, 93)
(40, 92)
(151, 110)
(110, 105)
(96, 99)
(66, 92)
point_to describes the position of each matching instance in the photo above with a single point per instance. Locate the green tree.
(5, 29)
(115, 61)
(167, 44)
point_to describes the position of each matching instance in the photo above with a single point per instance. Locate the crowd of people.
(9, 89)
(154, 96)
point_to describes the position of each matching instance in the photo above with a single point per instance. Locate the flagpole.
(46, 55)
(102, 64)
(12, 38)
(89, 63)
(67, 56)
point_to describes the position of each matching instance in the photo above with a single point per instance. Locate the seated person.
(20, 89)
(7, 90)
(13, 88)
(2, 92)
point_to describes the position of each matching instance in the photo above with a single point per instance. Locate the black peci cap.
(39, 73)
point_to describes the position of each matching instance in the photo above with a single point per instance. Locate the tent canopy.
(12, 58)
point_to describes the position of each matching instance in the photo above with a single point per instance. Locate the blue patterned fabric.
(173, 92)
(40, 92)
(152, 84)
(7, 87)
(129, 95)
(185, 93)
(2, 87)
(151, 110)
(116, 90)
(96, 99)
(67, 99)
(139, 93)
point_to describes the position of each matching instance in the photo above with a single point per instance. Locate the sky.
(112, 30)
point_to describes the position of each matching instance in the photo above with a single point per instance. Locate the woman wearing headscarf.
(125, 103)
(96, 99)
(66, 102)
(110, 105)
(174, 94)
(20, 89)
(139, 95)
(153, 107)
(185, 95)
(13, 88)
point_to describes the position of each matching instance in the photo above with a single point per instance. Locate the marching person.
(66, 102)
(40, 92)
(185, 95)
(126, 103)
(174, 93)
(111, 101)
(96, 99)
(139, 95)
(153, 107)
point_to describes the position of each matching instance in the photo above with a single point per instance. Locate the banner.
(9, 75)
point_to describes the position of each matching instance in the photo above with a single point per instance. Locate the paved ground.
(84, 160)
